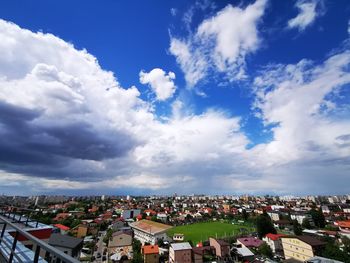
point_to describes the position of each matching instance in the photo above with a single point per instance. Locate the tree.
(108, 235)
(265, 250)
(297, 228)
(346, 244)
(264, 225)
(306, 223)
(160, 242)
(244, 215)
(318, 218)
(136, 248)
(332, 251)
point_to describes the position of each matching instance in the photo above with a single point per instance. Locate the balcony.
(22, 240)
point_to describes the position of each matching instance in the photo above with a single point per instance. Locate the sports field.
(202, 231)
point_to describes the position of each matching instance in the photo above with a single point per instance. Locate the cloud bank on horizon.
(67, 124)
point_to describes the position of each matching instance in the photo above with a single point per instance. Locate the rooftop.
(150, 226)
(322, 260)
(65, 241)
(250, 241)
(274, 237)
(308, 239)
(244, 251)
(181, 246)
(150, 249)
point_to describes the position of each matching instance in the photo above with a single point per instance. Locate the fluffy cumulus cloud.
(308, 11)
(67, 124)
(161, 83)
(311, 129)
(220, 43)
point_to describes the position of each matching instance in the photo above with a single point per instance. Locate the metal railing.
(13, 251)
(20, 215)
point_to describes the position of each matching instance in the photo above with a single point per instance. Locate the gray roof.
(245, 252)
(181, 246)
(58, 240)
(322, 260)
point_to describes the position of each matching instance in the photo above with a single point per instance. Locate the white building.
(149, 231)
(300, 217)
(275, 216)
(274, 242)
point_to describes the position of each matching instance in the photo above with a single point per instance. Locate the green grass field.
(202, 231)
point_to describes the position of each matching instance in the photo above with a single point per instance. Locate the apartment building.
(301, 248)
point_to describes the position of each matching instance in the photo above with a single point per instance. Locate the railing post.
(27, 220)
(37, 252)
(14, 244)
(2, 232)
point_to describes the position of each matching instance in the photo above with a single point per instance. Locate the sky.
(163, 97)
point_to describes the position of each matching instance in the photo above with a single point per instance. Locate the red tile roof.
(274, 237)
(345, 224)
(250, 241)
(62, 227)
(149, 249)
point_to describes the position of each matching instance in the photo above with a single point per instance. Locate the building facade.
(180, 253)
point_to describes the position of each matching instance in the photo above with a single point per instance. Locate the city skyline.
(143, 98)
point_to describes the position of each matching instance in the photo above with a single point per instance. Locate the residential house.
(118, 225)
(275, 216)
(242, 254)
(222, 248)
(120, 244)
(274, 242)
(67, 244)
(301, 248)
(162, 217)
(62, 229)
(200, 251)
(250, 242)
(180, 253)
(322, 260)
(344, 227)
(130, 213)
(61, 216)
(150, 254)
(300, 217)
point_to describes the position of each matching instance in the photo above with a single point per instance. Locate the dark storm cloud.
(25, 144)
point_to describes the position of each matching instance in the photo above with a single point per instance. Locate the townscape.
(178, 131)
(194, 228)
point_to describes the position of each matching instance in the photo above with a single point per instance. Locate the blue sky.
(247, 96)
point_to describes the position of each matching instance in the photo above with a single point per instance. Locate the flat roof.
(150, 226)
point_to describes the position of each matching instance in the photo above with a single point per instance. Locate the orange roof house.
(150, 249)
(62, 227)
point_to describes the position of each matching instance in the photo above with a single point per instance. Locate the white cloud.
(60, 101)
(173, 11)
(192, 62)
(220, 43)
(307, 14)
(160, 82)
(306, 144)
